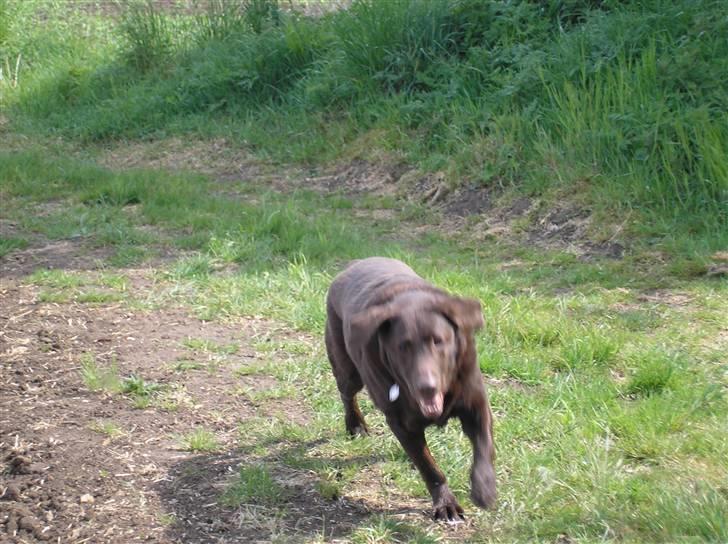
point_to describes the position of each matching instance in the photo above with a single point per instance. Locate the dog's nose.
(428, 391)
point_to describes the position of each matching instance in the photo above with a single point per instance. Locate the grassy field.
(607, 376)
(607, 379)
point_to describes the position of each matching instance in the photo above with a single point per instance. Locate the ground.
(70, 478)
(179, 397)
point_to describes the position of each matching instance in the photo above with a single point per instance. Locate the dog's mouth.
(431, 407)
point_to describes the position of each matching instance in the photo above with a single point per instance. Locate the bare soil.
(62, 479)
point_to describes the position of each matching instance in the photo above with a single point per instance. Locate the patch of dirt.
(567, 227)
(358, 177)
(194, 487)
(665, 296)
(470, 200)
(59, 478)
(60, 254)
(215, 158)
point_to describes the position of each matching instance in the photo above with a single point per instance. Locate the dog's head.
(422, 338)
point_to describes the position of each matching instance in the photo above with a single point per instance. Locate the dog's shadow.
(281, 504)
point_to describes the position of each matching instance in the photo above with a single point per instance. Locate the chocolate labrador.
(412, 345)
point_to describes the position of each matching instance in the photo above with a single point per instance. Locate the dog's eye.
(436, 340)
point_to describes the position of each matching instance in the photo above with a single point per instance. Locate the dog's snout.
(428, 391)
(427, 384)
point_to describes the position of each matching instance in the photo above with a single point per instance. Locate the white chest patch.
(393, 392)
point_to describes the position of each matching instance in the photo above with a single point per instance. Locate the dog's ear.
(465, 313)
(372, 320)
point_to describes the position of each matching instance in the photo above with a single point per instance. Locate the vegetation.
(605, 386)
(607, 376)
(626, 99)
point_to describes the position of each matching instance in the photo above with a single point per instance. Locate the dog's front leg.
(445, 504)
(477, 422)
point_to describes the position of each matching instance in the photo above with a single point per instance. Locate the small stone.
(29, 523)
(12, 493)
(87, 499)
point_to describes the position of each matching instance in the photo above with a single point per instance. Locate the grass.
(607, 376)
(8, 244)
(98, 378)
(254, 485)
(200, 440)
(605, 390)
(108, 428)
(535, 97)
(208, 346)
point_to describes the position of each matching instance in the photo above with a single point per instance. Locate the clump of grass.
(200, 440)
(209, 346)
(98, 378)
(654, 374)
(140, 390)
(186, 365)
(329, 488)
(254, 485)
(108, 428)
(57, 278)
(8, 244)
(147, 35)
(383, 529)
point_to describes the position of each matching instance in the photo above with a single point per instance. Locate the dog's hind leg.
(347, 376)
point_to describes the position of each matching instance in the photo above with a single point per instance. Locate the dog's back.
(367, 282)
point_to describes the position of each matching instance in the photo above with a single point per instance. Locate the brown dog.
(412, 345)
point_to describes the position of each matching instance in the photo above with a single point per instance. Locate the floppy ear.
(367, 322)
(465, 313)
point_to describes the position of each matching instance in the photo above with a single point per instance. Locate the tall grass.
(628, 96)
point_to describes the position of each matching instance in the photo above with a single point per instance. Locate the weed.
(140, 390)
(147, 34)
(98, 378)
(11, 244)
(255, 485)
(186, 365)
(108, 428)
(209, 346)
(655, 372)
(200, 440)
(329, 489)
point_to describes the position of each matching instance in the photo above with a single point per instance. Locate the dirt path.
(89, 466)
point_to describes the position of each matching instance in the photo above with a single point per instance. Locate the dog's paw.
(358, 431)
(446, 507)
(482, 487)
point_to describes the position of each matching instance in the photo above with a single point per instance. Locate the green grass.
(254, 485)
(200, 440)
(60, 286)
(99, 378)
(383, 529)
(208, 346)
(607, 377)
(8, 244)
(623, 100)
(596, 413)
(109, 428)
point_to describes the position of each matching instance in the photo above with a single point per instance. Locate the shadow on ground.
(192, 495)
